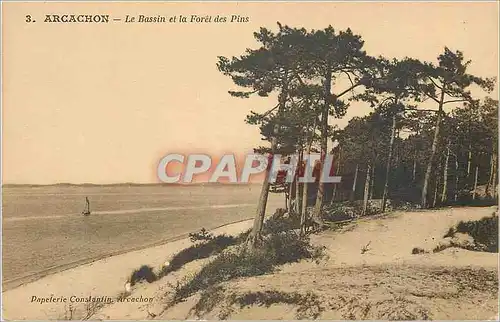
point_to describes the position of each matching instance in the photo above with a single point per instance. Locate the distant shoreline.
(125, 184)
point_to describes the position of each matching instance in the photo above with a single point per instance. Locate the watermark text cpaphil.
(179, 168)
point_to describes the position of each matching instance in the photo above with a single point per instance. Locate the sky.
(103, 103)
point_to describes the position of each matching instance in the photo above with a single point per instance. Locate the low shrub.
(403, 205)
(417, 250)
(340, 211)
(203, 235)
(451, 232)
(484, 232)
(276, 225)
(276, 249)
(225, 267)
(242, 237)
(210, 246)
(144, 273)
(308, 305)
(289, 247)
(441, 247)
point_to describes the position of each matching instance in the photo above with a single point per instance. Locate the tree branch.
(350, 79)
(415, 109)
(347, 90)
(440, 87)
(432, 97)
(270, 111)
(299, 79)
(456, 101)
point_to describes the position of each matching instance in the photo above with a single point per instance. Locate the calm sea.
(44, 231)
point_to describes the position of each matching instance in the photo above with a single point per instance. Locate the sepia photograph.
(250, 160)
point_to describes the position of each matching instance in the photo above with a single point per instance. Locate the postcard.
(249, 160)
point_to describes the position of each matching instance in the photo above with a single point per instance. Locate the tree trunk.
(490, 179)
(435, 141)
(475, 183)
(457, 179)
(415, 156)
(444, 193)
(303, 217)
(367, 188)
(388, 164)
(298, 198)
(434, 200)
(487, 190)
(353, 191)
(337, 172)
(317, 213)
(255, 236)
(291, 197)
(334, 193)
(494, 179)
(414, 172)
(469, 161)
(299, 188)
(286, 192)
(372, 181)
(436, 188)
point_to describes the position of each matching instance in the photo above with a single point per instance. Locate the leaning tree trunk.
(435, 140)
(475, 183)
(367, 189)
(444, 192)
(353, 190)
(317, 215)
(388, 164)
(256, 235)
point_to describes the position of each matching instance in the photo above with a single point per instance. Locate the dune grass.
(276, 249)
(483, 231)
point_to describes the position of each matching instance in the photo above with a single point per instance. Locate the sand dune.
(385, 282)
(386, 270)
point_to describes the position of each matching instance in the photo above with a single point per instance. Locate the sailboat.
(86, 211)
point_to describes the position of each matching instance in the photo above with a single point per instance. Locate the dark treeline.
(427, 139)
(468, 143)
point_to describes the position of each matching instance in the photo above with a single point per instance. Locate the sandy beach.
(104, 277)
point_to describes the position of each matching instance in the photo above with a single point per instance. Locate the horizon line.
(121, 184)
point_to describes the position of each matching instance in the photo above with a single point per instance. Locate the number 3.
(28, 18)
